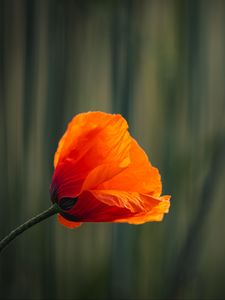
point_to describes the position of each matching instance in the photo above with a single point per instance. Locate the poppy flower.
(102, 174)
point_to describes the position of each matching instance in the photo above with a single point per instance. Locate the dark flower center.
(67, 203)
(64, 204)
(69, 217)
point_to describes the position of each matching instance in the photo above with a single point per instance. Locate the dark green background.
(162, 65)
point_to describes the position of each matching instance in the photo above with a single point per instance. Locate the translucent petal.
(133, 201)
(92, 140)
(155, 214)
(140, 176)
(95, 137)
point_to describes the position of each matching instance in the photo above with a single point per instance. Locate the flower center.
(67, 203)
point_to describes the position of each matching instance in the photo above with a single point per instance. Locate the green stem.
(37, 219)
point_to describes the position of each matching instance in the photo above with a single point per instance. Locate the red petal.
(89, 209)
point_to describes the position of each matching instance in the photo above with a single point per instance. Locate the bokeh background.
(161, 64)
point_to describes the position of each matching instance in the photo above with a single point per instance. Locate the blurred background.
(161, 64)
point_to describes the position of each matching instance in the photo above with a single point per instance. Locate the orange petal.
(67, 223)
(155, 214)
(140, 176)
(133, 201)
(96, 138)
(99, 163)
(91, 141)
(103, 173)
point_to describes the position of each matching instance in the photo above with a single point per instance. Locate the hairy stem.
(37, 219)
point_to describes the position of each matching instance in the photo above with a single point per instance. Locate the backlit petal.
(95, 138)
(103, 173)
(155, 214)
(100, 166)
(140, 176)
(133, 201)
(92, 141)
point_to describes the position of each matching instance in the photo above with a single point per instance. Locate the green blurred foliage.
(161, 64)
